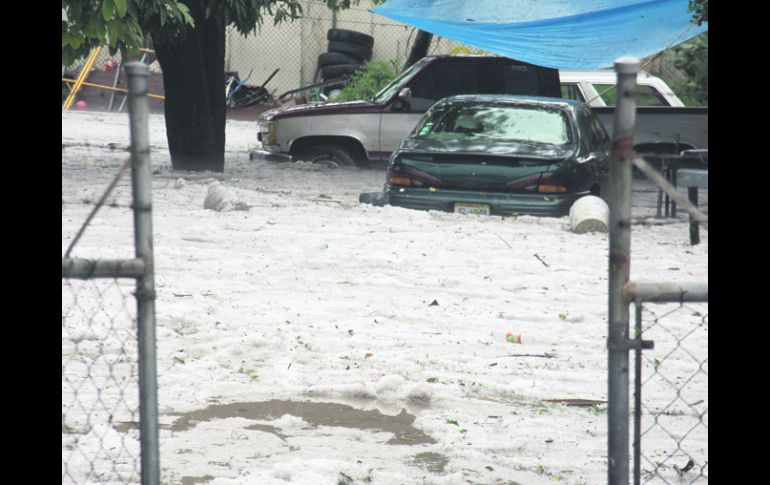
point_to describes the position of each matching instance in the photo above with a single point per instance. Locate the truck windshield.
(497, 122)
(395, 85)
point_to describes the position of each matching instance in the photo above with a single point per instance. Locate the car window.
(496, 122)
(572, 91)
(646, 95)
(395, 85)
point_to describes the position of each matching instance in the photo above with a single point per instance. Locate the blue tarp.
(564, 34)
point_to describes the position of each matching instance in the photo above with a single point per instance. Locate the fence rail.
(108, 349)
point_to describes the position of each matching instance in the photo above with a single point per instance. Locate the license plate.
(478, 209)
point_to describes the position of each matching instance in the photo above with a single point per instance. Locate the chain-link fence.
(99, 346)
(669, 415)
(99, 382)
(294, 47)
(109, 381)
(671, 394)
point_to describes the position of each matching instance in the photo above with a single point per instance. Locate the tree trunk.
(419, 48)
(194, 82)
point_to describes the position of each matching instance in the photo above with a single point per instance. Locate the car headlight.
(272, 133)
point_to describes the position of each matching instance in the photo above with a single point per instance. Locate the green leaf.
(108, 9)
(432, 380)
(113, 30)
(452, 421)
(121, 6)
(91, 28)
(185, 16)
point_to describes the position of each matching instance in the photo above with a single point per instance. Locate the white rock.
(220, 199)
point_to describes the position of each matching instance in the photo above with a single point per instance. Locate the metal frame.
(140, 268)
(623, 292)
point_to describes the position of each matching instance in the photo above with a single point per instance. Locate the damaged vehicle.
(500, 155)
(356, 132)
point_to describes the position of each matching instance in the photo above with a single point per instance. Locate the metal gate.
(676, 402)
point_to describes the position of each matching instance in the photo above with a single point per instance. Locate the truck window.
(480, 77)
(646, 95)
(440, 81)
(572, 91)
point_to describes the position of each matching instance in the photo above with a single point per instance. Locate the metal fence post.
(145, 286)
(619, 269)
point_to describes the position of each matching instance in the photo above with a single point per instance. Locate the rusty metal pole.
(619, 270)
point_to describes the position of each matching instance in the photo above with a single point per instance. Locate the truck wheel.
(360, 52)
(350, 36)
(331, 156)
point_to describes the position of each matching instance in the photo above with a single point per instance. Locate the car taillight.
(406, 175)
(396, 180)
(551, 189)
(551, 183)
(526, 184)
(397, 175)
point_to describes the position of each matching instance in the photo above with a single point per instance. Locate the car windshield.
(395, 85)
(503, 122)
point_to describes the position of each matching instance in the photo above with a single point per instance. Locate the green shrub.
(368, 80)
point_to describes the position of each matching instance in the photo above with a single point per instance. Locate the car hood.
(320, 109)
(479, 147)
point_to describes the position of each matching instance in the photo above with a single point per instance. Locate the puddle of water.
(196, 480)
(432, 462)
(314, 413)
(267, 429)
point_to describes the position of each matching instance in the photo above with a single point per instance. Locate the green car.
(500, 155)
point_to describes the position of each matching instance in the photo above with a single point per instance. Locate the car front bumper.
(500, 204)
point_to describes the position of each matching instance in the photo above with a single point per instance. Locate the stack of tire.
(347, 50)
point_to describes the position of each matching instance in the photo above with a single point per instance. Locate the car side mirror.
(405, 96)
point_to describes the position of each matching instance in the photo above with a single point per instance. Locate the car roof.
(513, 99)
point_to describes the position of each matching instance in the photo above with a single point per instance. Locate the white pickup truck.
(354, 132)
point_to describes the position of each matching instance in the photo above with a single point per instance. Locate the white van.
(597, 89)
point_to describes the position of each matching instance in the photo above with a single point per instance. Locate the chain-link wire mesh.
(294, 47)
(673, 394)
(100, 393)
(100, 441)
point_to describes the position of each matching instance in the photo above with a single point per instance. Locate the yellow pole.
(81, 78)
